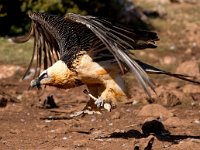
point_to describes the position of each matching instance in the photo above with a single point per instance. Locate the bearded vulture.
(75, 50)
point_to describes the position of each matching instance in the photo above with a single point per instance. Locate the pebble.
(155, 110)
(190, 67)
(116, 115)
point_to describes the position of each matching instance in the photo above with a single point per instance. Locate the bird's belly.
(104, 77)
(92, 72)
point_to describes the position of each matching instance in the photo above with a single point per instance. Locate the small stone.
(14, 131)
(188, 51)
(154, 126)
(22, 120)
(169, 99)
(47, 121)
(19, 97)
(80, 143)
(172, 47)
(107, 106)
(49, 102)
(116, 115)
(117, 131)
(189, 88)
(3, 102)
(195, 96)
(177, 122)
(52, 131)
(59, 148)
(197, 121)
(167, 60)
(186, 144)
(135, 102)
(146, 143)
(188, 68)
(155, 110)
(110, 124)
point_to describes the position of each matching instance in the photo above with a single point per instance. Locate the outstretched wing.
(46, 48)
(119, 41)
(57, 38)
(62, 38)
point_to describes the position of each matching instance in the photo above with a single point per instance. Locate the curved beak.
(35, 83)
(41, 80)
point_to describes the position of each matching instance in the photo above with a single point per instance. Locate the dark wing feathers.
(117, 45)
(62, 38)
(153, 70)
(138, 39)
(57, 37)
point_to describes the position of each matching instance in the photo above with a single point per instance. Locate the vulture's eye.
(43, 75)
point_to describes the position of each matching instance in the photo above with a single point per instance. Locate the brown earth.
(171, 122)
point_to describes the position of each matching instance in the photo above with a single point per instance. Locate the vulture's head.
(58, 75)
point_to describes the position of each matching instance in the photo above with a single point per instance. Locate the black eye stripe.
(44, 75)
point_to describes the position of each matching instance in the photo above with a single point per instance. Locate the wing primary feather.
(116, 49)
(140, 75)
(45, 62)
(52, 46)
(119, 33)
(151, 69)
(37, 47)
(33, 54)
(146, 35)
(49, 55)
(111, 36)
(39, 54)
(132, 36)
(25, 38)
(109, 47)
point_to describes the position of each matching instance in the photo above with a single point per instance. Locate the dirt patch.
(27, 124)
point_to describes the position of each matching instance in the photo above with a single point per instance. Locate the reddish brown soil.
(26, 125)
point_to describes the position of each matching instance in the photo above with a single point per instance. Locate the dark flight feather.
(63, 38)
(153, 70)
(117, 44)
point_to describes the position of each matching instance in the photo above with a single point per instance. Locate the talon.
(99, 102)
(107, 106)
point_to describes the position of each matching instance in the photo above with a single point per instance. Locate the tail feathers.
(151, 69)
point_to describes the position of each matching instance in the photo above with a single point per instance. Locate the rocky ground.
(171, 120)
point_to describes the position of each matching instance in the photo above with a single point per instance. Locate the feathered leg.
(104, 96)
(103, 79)
(93, 94)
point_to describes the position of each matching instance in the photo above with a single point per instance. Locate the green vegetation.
(14, 19)
(17, 54)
